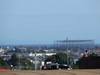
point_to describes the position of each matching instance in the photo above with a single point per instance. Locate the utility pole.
(19, 62)
(67, 50)
(35, 61)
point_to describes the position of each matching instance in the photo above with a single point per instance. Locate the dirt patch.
(54, 72)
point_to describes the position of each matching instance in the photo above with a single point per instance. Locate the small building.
(97, 52)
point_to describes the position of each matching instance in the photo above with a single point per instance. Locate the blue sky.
(28, 21)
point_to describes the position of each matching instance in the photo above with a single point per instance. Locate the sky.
(29, 21)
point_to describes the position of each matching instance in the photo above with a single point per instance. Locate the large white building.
(41, 54)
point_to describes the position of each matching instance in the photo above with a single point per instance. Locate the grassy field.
(54, 72)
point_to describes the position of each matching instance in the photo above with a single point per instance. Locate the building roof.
(98, 50)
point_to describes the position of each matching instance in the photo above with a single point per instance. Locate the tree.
(60, 58)
(14, 60)
(26, 63)
(3, 64)
(93, 54)
(21, 63)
